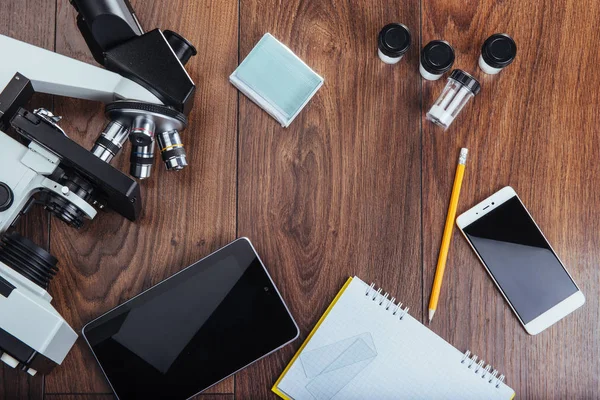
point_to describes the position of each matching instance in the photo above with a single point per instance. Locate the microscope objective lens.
(142, 131)
(142, 158)
(172, 151)
(111, 141)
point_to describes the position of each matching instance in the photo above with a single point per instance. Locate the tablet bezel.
(195, 264)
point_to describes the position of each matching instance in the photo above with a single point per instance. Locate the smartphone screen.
(520, 259)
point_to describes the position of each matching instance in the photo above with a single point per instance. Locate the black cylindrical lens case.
(497, 52)
(393, 42)
(437, 57)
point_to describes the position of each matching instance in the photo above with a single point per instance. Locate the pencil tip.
(431, 312)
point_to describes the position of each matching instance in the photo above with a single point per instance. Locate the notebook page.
(362, 351)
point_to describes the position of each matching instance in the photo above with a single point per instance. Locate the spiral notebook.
(367, 346)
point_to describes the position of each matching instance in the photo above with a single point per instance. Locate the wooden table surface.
(359, 184)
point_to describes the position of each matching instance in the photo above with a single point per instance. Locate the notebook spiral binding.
(477, 367)
(385, 301)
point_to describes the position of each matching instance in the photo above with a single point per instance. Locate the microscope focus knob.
(6, 197)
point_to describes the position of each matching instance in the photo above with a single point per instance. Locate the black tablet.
(194, 329)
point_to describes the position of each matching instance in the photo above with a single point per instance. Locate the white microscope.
(148, 94)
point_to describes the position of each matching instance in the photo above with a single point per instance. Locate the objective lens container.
(393, 42)
(461, 87)
(437, 58)
(497, 52)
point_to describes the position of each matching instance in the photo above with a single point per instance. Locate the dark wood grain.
(185, 215)
(533, 127)
(16, 23)
(338, 192)
(359, 184)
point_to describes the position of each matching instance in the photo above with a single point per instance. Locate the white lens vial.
(461, 87)
(497, 52)
(393, 42)
(437, 58)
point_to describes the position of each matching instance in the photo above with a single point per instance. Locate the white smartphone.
(521, 262)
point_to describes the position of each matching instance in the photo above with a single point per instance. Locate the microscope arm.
(56, 74)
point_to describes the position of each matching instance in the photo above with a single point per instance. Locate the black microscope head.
(154, 59)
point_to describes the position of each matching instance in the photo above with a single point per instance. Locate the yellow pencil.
(441, 264)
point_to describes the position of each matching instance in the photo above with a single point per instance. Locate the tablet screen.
(194, 329)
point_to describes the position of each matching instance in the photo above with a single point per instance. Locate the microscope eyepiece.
(182, 47)
(105, 24)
